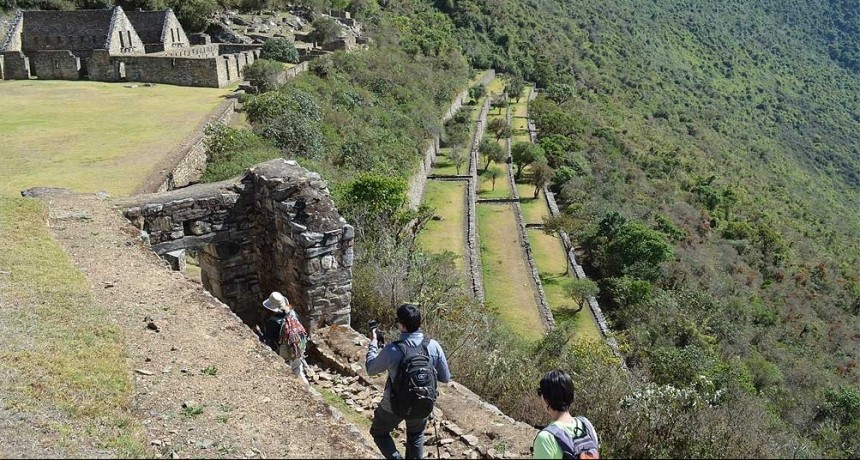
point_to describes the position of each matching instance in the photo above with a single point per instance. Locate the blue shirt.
(389, 358)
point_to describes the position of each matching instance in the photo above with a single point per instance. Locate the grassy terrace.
(62, 361)
(507, 288)
(449, 201)
(91, 136)
(552, 266)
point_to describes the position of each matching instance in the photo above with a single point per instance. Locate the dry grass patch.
(449, 201)
(91, 136)
(507, 288)
(534, 209)
(62, 355)
(497, 86)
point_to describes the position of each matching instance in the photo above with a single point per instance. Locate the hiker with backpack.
(284, 333)
(415, 364)
(566, 437)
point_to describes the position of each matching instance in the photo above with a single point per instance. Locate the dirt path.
(204, 385)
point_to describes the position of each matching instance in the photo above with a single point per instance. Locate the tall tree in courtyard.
(541, 175)
(492, 151)
(500, 128)
(514, 88)
(525, 153)
(457, 156)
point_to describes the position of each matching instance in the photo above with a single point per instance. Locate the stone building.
(159, 30)
(112, 45)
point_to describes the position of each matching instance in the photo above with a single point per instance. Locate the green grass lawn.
(90, 136)
(520, 125)
(60, 352)
(502, 188)
(496, 86)
(534, 209)
(507, 288)
(449, 201)
(551, 261)
(444, 166)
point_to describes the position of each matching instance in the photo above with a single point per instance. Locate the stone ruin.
(275, 229)
(112, 45)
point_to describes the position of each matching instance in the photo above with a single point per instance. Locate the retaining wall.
(418, 181)
(472, 238)
(192, 163)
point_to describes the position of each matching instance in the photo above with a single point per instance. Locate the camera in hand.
(374, 325)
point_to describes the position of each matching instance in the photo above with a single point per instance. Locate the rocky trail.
(204, 385)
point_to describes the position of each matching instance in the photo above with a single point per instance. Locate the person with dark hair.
(414, 364)
(567, 436)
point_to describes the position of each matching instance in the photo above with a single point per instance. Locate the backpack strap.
(563, 439)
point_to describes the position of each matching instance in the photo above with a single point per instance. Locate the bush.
(281, 50)
(266, 75)
(230, 151)
(325, 30)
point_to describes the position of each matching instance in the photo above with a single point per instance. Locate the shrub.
(325, 30)
(266, 75)
(281, 50)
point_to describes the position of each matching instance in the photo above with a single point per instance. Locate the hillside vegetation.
(706, 153)
(705, 158)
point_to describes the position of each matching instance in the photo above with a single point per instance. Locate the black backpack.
(413, 388)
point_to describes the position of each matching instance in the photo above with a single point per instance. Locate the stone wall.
(472, 241)
(17, 65)
(205, 72)
(418, 181)
(12, 40)
(56, 65)
(275, 229)
(188, 163)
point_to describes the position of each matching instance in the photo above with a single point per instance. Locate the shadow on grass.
(567, 313)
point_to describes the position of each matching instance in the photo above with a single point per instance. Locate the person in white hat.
(284, 334)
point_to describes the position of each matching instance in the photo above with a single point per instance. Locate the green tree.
(560, 92)
(325, 30)
(500, 128)
(457, 155)
(194, 15)
(525, 153)
(377, 193)
(266, 75)
(580, 290)
(492, 151)
(477, 92)
(514, 88)
(281, 50)
(541, 175)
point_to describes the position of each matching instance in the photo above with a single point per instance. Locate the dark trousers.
(384, 422)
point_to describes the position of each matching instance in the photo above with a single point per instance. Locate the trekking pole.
(438, 439)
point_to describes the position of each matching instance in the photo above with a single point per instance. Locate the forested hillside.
(707, 154)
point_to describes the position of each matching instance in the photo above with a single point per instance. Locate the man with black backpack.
(414, 364)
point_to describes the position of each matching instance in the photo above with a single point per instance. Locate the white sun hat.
(276, 301)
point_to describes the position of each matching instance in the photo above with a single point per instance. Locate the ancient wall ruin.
(56, 65)
(276, 229)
